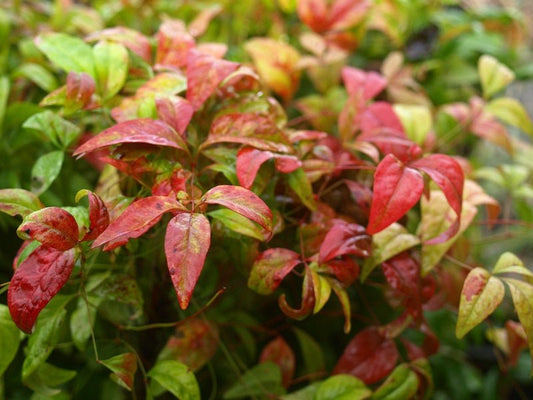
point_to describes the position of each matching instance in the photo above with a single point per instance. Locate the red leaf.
(270, 268)
(242, 201)
(249, 160)
(144, 130)
(80, 88)
(136, 219)
(345, 270)
(36, 281)
(279, 352)
(448, 175)
(175, 111)
(52, 226)
(98, 216)
(369, 356)
(365, 85)
(390, 143)
(397, 188)
(322, 15)
(380, 116)
(286, 164)
(187, 241)
(173, 45)
(308, 299)
(204, 74)
(133, 40)
(345, 238)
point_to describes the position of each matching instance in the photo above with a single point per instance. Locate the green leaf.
(38, 75)
(401, 384)
(509, 263)
(306, 393)
(176, 378)
(416, 120)
(236, 222)
(481, 294)
(45, 336)
(299, 182)
(386, 244)
(312, 354)
(124, 367)
(82, 320)
(19, 202)
(46, 377)
(262, 380)
(4, 95)
(494, 75)
(522, 294)
(9, 339)
(342, 387)
(45, 171)
(512, 112)
(111, 63)
(56, 129)
(67, 52)
(345, 303)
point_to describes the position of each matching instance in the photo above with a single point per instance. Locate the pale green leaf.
(37, 74)
(494, 75)
(9, 339)
(45, 379)
(299, 182)
(176, 378)
(512, 112)
(416, 120)
(4, 95)
(45, 171)
(322, 291)
(509, 263)
(54, 128)
(111, 65)
(480, 296)
(345, 303)
(236, 222)
(342, 387)
(18, 202)
(401, 384)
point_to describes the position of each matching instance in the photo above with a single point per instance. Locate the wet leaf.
(144, 130)
(242, 201)
(111, 62)
(9, 339)
(279, 352)
(494, 75)
(175, 111)
(52, 226)
(187, 241)
(397, 188)
(135, 220)
(270, 268)
(98, 214)
(345, 238)
(368, 356)
(204, 75)
(402, 383)
(261, 380)
(18, 202)
(480, 296)
(45, 171)
(36, 281)
(176, 378)
(124, 367)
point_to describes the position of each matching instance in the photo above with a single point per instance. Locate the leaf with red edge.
(379, 117)
(387, 143)
(98, 214)
(52, 226)
(280, 353)
(18, 202)
(36, 281)
(270, 268)
(365, 85)
(187, 241)
(79, 90)
(175, 111)
(368, 356)
(132, 39)
(397, 188)
(136, 219)
(242, 201)
(345, 238)
(204, 74)
(449, 177)
(322, 15)
(124, 367)
(173, 45)
(344, 269)
(143, 130)
(308, 299)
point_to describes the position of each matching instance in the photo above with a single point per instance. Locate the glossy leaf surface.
(36, 281)
(111, 62)
(345, 238)
(98, 215)
(187, 241)
(176, 378)
(175, 111)
(237, 223)
(342, 387)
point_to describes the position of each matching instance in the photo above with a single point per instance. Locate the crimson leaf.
(345, 238)
(98, 215)
(270, 268)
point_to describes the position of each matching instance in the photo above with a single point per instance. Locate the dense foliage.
(294, 199)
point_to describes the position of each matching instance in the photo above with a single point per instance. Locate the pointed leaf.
(279, 352)
(176, 378)
(322, 290)
(132, 39)
(397, 189)
(111, 65)
(9, 339)
(368, 356)
(145, 130)
(79, 90)
(67, 52)
(312, 352)
(52, 226)
(236, 222)
(342, 387)
(57, 130)
(270, 268)
(509, 263)
(187, 241)
(136, 219)
(36, 281)
(512, 112)
(262, 380)
(416, 120)
(18, 202)
(173, 44)
(345, 238)
(249, 160)
(448, 175)
(365, 85)
(124, 367)
(45, 171)
(480, 296)
(242, 201)
(345, 303)
(299, 182)
(175, 111)
(204, 74)
(45, 379)
(38, 74)
(494, 75)
(98, 214)
(402, 383)
(380, 117)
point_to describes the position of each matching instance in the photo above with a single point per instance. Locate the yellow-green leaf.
(494, 75)
(416, 120)
(322, 291)
(511, 111)
(509, 263)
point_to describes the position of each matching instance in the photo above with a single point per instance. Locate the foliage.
(191, 187)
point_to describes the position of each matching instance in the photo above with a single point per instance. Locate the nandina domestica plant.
(225, 190)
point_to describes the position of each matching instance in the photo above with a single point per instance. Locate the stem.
(459, 263)
(83, 294)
